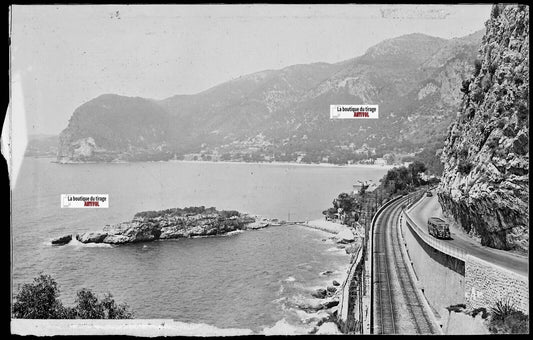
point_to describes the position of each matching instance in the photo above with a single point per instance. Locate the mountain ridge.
(284, 114)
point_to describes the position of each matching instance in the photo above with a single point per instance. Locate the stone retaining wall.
(487, 283)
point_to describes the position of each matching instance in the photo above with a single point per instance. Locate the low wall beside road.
(441, 276)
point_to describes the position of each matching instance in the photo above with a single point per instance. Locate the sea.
(251, 280)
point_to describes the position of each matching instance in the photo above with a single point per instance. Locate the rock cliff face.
(485, 184)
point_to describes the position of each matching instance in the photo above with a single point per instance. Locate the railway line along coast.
(404, 280)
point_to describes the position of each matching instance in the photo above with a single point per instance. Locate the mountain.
(485, 183)
(111, 126)
(283, 115)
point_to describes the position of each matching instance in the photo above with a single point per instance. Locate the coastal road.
(397, 307)
(429, 206)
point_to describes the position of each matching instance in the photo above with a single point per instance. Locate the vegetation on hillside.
(188, 211)
(360, 206)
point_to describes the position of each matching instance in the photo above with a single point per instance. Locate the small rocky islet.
(173, 223)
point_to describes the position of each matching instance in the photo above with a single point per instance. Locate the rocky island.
(172, 223)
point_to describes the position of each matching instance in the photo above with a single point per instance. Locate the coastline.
(327, 226)
(313, 312)
(341, 234)
(325, 165)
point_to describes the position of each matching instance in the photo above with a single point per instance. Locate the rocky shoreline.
(174, 223)
(320, 307)
(325, 301)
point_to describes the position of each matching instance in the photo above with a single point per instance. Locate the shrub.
(492, 68)
(478, 96)
(481, 310)
(463, 153)
(345, 201)
(471, 113)
(464, 167)
(502, 309)
(229, 213)
(456, 308)
(89, 307)
(522, 112)
(495, 11)
(39, 300)
(505, 318)
(492, 143)
(465, 85)
(477, 67)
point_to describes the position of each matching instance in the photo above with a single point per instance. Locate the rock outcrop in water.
(62, 240)
(485, 184)
(169, 224)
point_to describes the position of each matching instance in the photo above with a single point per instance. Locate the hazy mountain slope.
(485, 184)
(284, 114)
(110, 124)
(414, 99)
(242, 107)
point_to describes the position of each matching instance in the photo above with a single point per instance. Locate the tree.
(416, 168)
(39, 300)
(364, 186)
(345, 202)
(88, 307)
(389, 158)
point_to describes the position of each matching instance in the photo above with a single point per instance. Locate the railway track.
(396, 306)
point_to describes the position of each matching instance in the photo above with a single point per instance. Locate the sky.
(65, 55)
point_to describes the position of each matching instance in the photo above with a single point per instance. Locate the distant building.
(380, 161)
(192, 157)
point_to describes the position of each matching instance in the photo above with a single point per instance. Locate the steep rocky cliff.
(485, 184)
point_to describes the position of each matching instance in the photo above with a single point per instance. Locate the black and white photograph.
(268, 169)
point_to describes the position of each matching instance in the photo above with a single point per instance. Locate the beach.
(328, 165)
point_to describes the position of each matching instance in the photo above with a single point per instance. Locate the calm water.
(244, 280)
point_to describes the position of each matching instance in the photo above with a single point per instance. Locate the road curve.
(396, 306)
(429, 206)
